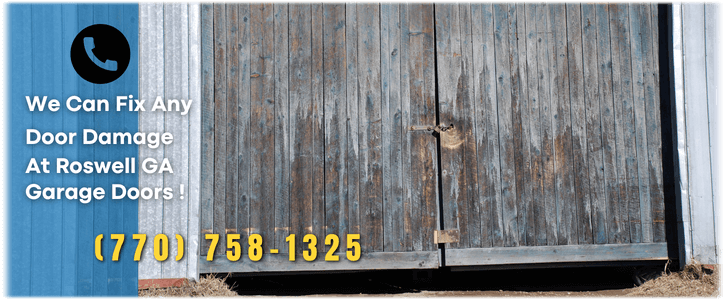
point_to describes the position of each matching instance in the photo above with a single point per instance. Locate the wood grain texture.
(593, 122)
(370, 129)
(281, 129)
(564, 173)
(301, 121)
(318, 126)
(579, 125)
(625, 127)
(220, 124)
(207, 107)
(637, 60)
(195, 137)
(231, 164)
(244, 134)
(353, 163)
(337, 202)
(262, 123)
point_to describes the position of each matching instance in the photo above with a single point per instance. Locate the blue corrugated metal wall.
(52, 241)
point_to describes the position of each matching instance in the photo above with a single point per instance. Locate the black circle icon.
(100, 53)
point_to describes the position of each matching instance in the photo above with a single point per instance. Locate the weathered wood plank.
(479, 124)
(538, 233)
(195, 137)
(262, 123)
(318, 81)
(578, 121)
(207, 107)
(545, 54)
(636, 19)
(502, 15)
(651, 48)
(336, 131)
(370, 142)
(652, 123)
(368, 261)
(449, 62)
(556, 254)
(525, 209)
(233, 90)
(407, 222)
(625, 127)
(487, 126)
(564, 173)
(592, 97)
(353, 150)
(422, 96)
(301, 121)
(282, 130)
(392, 128)
(466, 115)
(616, 233)
(244, 133)
(220, 123)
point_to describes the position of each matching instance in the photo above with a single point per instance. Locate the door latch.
(438, 128)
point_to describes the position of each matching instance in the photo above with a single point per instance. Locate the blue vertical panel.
(20, 79)
(114, 207)
(100, 208)
(52, 241)
(130, 81)
(86, 153)
(46, 229)
(70, 124)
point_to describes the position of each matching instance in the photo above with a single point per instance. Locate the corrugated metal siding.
(170, 68)
(695, 64)
(51, 250)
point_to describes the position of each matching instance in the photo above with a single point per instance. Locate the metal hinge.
(438, 128)
(446, 236)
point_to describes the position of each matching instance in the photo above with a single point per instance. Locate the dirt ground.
(695, 280)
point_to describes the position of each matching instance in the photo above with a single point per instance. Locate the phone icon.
(88, 44)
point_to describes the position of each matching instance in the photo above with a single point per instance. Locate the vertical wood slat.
(336, 132)
(353, 156)
(651, 79)
(207, 107)
(318, 135)
(220, 125)
(392, 128)
(538, 234)
(484, 97)
(595, 145)
(615, 230)
(525, 211)
(281, 101)
(419, 107)
(369, 101)
(624, 122)
(244, 133)
(504, 111)
(636, 15)
(545, 48)
(262, 123)
(231, 121)
(466, 115)
(301, 123)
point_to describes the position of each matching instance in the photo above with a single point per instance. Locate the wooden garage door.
(306, 110)
(555, 153)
